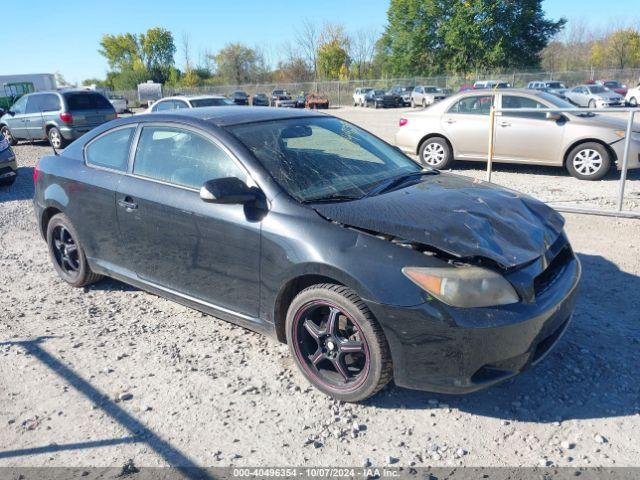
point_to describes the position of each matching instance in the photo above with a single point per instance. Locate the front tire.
(633, 102)
(589, 161)
(592, 104)
(55, 138)
(7, 134)
(424, 103)
(67, 254)
(435, 152)
(337, 343)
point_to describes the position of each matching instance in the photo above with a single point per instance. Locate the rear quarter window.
(87, 101)
(111, 150)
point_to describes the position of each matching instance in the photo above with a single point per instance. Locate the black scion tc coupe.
(305, 227)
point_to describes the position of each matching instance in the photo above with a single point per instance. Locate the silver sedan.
(586, 144)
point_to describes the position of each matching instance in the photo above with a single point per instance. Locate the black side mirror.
(230, 190)
(12, 113)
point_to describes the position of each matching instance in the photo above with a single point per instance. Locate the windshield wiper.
(332, 198)
(394, 182)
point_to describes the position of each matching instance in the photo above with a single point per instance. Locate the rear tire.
(588, 161)
(7, 134)
(55, 138)
(435, 152)
(349, 358)
(67, 254)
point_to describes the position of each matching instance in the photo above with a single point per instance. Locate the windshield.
(322, 157)
(430, 90)
(555, 100)
(378, 92)
(611, 84)
(555, 85)
(597, 89)
(210, 102)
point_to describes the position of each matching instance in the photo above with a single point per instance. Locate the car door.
(34, 122)
(580, 96)
(206, 251)
(15, 120)
(527, 137)
(466, 123)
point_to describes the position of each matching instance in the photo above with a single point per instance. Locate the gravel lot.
(98, 376)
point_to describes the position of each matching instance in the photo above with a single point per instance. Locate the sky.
(66, 39)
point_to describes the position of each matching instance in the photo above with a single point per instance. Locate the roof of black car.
(234, 115)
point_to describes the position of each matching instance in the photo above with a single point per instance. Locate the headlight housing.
(464, 287)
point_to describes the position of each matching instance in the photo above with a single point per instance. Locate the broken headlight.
(464, 286)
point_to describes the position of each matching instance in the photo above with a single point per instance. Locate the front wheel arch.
(567, 151)
(431, 135)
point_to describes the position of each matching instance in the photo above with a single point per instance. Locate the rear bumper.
(75, 132)
(463, 350)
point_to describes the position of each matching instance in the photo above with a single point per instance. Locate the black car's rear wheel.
(67, 254)
(337, 343)
(6, 133)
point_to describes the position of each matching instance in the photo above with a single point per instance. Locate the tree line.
(421, 38)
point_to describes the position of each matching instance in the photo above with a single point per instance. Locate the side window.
(182, 157)
(49, 103)
(475, 105)
(111, 150)
(178, 104)
(162, 106)
(20, 106)
(33, 104)
(513, 101)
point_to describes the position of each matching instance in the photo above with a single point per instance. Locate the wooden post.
(492, 115)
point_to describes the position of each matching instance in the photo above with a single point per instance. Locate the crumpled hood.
(463, 217)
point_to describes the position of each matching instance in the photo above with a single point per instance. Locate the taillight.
(66, 117)
(403, 122)
(36, 173)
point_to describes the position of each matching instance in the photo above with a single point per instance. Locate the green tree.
(431, 36)
(149, 55)
(236, 64)
(332, 57)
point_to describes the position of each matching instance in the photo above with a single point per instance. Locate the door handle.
(505, 124)
(450, 121)
(128, 204)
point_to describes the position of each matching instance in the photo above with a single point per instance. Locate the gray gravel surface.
(98, 376)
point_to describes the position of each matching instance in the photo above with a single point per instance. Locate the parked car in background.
(465, 88)
(359, 94)
(551, 86)
(281, 98)
(317, 101)
(120, 104)
(586, 144)
(240, 98)
(614, 86)
(301, 100)
(490, 84)
(425, 95)
(183, 101)
(60, 117)
(309, 229)
(633, 96)
(594, 96)
(403, 94)
(8, 163)
(380, 99)
(260, 100)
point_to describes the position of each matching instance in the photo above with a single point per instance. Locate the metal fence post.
(625, 159)
(492, 115)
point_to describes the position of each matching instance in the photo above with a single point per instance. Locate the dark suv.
(59, 116)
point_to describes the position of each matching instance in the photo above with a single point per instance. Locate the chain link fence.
(340, 92)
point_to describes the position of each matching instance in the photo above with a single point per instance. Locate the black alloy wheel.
(337, 344)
